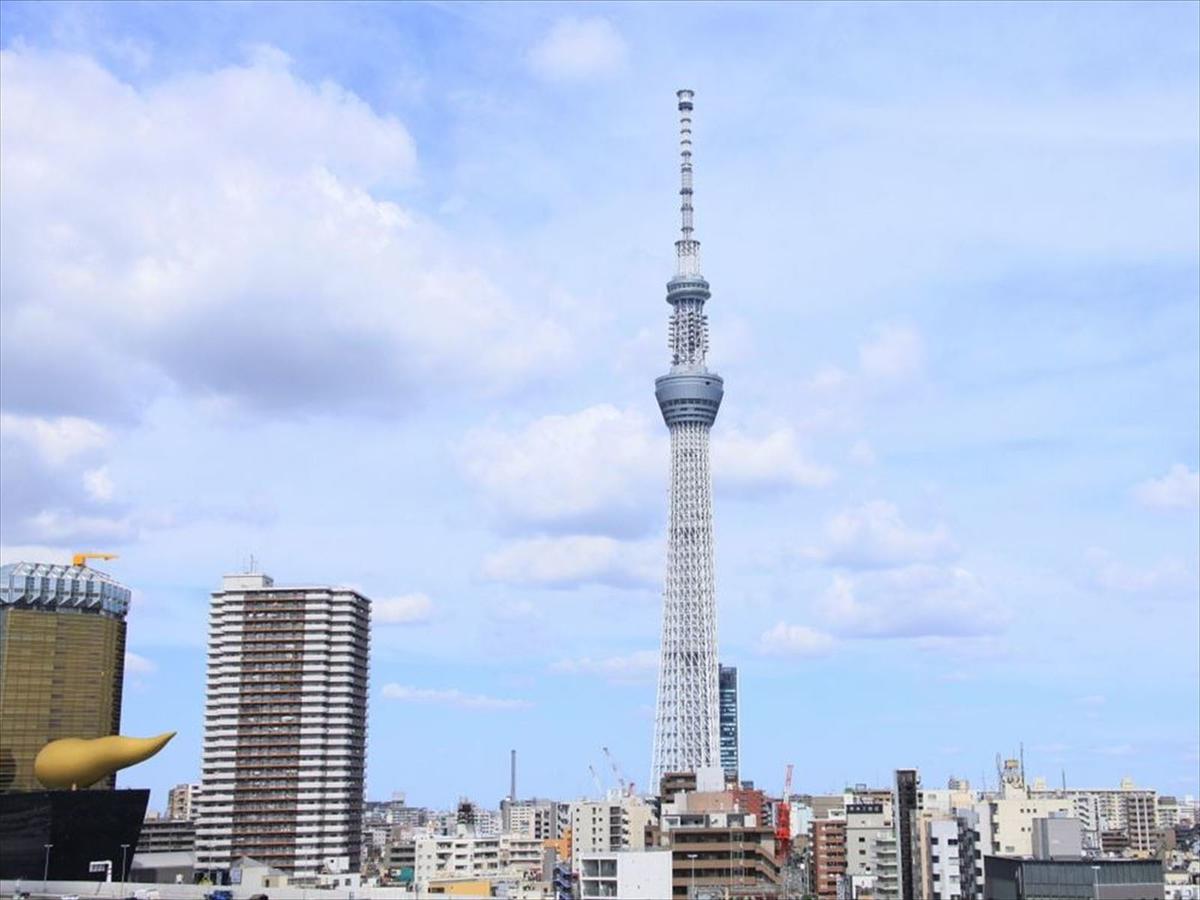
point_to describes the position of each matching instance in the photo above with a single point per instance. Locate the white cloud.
(919, 601)
(774, 460)
(222, 231)
(35, 553)
(407, 609)
(579, 49)
(56, 441)
(874, 535)
(605, 469)
(590, 470)
(99, 484)
(638, 667)
(896, 353)
(61, 526)
(1178, 489)
(139, 665)
(574, 560)
(795, 640)
(450, 697)
(1165, 576)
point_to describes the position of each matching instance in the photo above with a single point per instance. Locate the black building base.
(82, 827)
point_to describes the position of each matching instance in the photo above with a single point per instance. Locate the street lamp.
(692, 857)
(124, 850)
(46, 867)
(1096, 882)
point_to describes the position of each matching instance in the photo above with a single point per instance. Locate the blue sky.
(375, 294)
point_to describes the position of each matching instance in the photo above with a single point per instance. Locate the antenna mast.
(687, 248)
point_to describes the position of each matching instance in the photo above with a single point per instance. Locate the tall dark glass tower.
(727, 680)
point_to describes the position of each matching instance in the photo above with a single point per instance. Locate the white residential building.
(640, 875)
(285, 723)
(1128, 809)
(466, 856)
(605, 826)
(181, 801)
(868, 833)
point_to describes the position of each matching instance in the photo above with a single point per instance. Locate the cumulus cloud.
(594, 470)
(579, 50)
(576, 560)
(795, 640)
(771, 461)
(874, 535)
(451, 697)
(1178, 489)
(223, 232)
(604, 470)
(638, 667)
(407, 609)
(55, 484)
(918, 601)
(896, 353)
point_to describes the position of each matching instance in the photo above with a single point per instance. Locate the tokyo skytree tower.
(686, 734)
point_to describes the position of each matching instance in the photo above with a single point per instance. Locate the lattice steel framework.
(686, 732)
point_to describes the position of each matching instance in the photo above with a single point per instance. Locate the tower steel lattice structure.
(686, 730)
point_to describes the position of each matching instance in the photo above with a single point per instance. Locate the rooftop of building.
(51, 586)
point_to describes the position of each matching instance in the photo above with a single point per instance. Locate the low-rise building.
(1013, 878)
(628, 875)
(167, 836)
(466, 856)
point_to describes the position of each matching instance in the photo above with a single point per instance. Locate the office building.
(686, 729)
(727, 680)
(62, 662)
(1013, 878)
(868, 830)
(284, 728)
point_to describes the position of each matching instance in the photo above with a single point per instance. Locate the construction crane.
(596, 781)
(80, 559)
(783, 820)
(616, 771)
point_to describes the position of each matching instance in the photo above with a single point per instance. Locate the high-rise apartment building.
(62, 662)
(727, 681)
(181, 801)
(284, 728)
(827, 855)
(603, 826)
(686, 732)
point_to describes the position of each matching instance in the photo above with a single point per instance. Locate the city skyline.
(337, 291)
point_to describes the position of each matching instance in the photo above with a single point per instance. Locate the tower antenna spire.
(687, 248)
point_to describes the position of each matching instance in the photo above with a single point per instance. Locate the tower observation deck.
(686, 731)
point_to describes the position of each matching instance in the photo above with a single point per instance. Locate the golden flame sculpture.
(78, 763)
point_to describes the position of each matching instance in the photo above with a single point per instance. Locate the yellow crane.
(80, 559)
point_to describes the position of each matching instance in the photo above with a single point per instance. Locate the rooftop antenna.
(1022, 746)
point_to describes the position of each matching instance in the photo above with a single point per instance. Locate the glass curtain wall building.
(727, 689)
(62, 662)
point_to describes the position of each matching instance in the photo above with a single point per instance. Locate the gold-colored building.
(62, 662)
